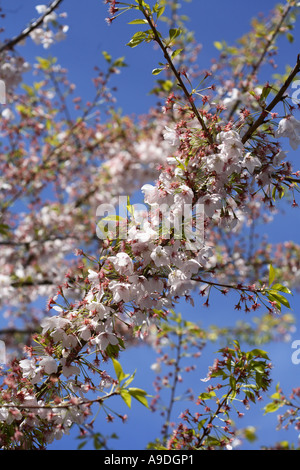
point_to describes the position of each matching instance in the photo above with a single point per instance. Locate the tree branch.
(33, 25)
(274, 102)
(16, 331)
(178, 77)
(257, 64)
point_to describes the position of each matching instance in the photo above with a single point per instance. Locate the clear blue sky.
(88, 36)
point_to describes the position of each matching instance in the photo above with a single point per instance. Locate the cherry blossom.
(289, 127)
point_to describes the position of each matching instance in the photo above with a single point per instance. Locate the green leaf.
(106, 56)
(228, 364)
(139, 21)
(249, 433)
(4, 229)
(97, 443)
(281, 288)
(125, 394)
(176, 53)
(156, 71)
(120, 62)
(258, 352)
(118, 370)
(281, 191)
(250, 395)
(218, 45)
(46, 63)
(271, 407)
(81, 445)
(259, 368)
(273, 299)
(130, 207)
(212, 441)
(139, 395)
(271, 274)
(232, 382)
(201, 423)
(265, 93)
(159, 11)
(143, 5)
(206, 395)
(122, 344)
(137, 38)
(258, 379)
(219, 373)
(276, 396)
(279, 298)
(174, 33)
(166, 84)
(128, 381)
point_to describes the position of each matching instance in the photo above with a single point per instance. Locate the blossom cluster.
(51, 31)
(121, 290)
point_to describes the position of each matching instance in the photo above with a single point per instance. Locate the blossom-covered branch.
(30, 29)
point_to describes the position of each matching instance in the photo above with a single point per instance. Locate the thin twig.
(257, 64)
(260, 120)
(207, 428)
(178, 78)
(173, 389)
(16, 331)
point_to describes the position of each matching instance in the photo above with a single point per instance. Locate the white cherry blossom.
(251, 162)
(48, 364)
(171, 136)
(160, 256)
(122, 263)
(289, 127)
(30, 370)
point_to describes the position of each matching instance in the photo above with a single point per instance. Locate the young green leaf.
(106, 56)
(138, 21)
(137, 39)
(139, 395)
(281, 288)
(271, 274)
(218, 45)
(125, 394)
(206, 395)
(176, 53)
(273, 406)
(156, 71)
(174, 33)
(118, 370)
(279, 298)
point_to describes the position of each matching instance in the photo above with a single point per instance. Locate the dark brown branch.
(260, 120)
(207, 429)
(181, 84)
(33, 25)
(16, 331)
(29, 283)
(257, 64)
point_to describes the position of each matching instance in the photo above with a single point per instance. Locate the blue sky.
(88, 36)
